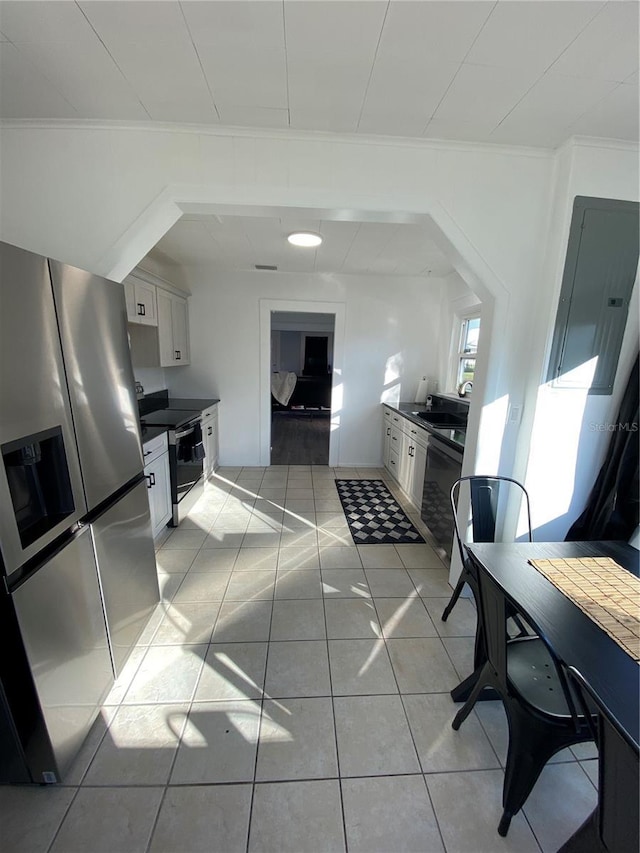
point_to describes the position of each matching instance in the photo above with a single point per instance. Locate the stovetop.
(172, 418)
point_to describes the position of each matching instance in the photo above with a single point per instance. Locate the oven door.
(186, 460)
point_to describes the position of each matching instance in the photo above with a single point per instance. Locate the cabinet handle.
(210, 431)
(388, 430)
(147, 452)
(153, 479)
(141, 310)
(392, 462)
(177, 355)
(393, 438)
(148, 479)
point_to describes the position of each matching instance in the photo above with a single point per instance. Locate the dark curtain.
(612, 508)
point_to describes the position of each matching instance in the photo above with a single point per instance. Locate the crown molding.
(277, 134)
(156, 280)
(600, 142)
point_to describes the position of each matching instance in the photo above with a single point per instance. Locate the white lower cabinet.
(405, 453)
(210, 440)
(418, 468)
(156, 472)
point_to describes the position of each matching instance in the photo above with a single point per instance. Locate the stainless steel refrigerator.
(78, 563)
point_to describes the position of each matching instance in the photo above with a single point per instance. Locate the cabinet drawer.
(394, 463)
(417, 434)
(209, 413)
(396, 439)
(154, 447)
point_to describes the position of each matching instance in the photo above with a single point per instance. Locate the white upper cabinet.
(173, 330)
(140, 297)
(154, 302)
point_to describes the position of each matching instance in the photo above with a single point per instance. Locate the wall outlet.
(515, 414)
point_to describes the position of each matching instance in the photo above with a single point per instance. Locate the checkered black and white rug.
(373, 514)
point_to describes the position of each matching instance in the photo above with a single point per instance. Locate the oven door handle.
(184, 434)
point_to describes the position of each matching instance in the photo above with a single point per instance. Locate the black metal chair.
(613, 826)
(541, 711)
(485, 495)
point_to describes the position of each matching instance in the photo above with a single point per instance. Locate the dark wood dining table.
(579, 642)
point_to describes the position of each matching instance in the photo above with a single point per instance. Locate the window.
(467, 350)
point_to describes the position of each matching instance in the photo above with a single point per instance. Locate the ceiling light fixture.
(306, 239)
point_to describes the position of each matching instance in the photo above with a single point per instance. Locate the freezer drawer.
(62, 625)
(127, 568)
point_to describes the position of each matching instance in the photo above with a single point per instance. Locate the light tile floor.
(291, 693)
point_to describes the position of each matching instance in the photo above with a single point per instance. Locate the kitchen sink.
(443, 419)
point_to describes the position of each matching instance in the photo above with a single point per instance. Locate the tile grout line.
(262, 701)
(335, 727)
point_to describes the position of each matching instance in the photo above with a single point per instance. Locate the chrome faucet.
(465, 388)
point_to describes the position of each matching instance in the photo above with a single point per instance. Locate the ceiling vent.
(271, 267)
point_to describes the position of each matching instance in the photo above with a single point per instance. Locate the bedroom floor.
(300, 438)
(291, 693)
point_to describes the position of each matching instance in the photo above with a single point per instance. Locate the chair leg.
(454, 598)
(505, 823)
(529, 751)
(466, 709)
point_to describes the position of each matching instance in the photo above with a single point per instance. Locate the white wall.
(151, 378)
(391, 331)
(101, 196)
(566, 449)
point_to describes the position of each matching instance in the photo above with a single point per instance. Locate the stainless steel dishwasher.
(444, 467)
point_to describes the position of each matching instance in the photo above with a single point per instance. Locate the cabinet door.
(386, 436)
(180, 330)
(406, 463)
(214, 443)
(386, 445)
(145, 295)
(130, 300)
(207, 433)
(165, 329)
(162, 489)
(158, 486)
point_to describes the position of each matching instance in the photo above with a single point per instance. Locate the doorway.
(301, 387)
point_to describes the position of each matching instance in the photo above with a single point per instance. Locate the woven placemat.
(607, 593)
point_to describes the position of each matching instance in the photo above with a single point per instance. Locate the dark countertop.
(159, 400)
(454, 438)
(191, 403)
(151, 432)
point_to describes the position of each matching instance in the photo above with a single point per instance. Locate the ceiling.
(513, 71)
(356, 248)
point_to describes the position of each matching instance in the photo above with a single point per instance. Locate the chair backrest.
(489, 500)
(618, 777)
(493, 611)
